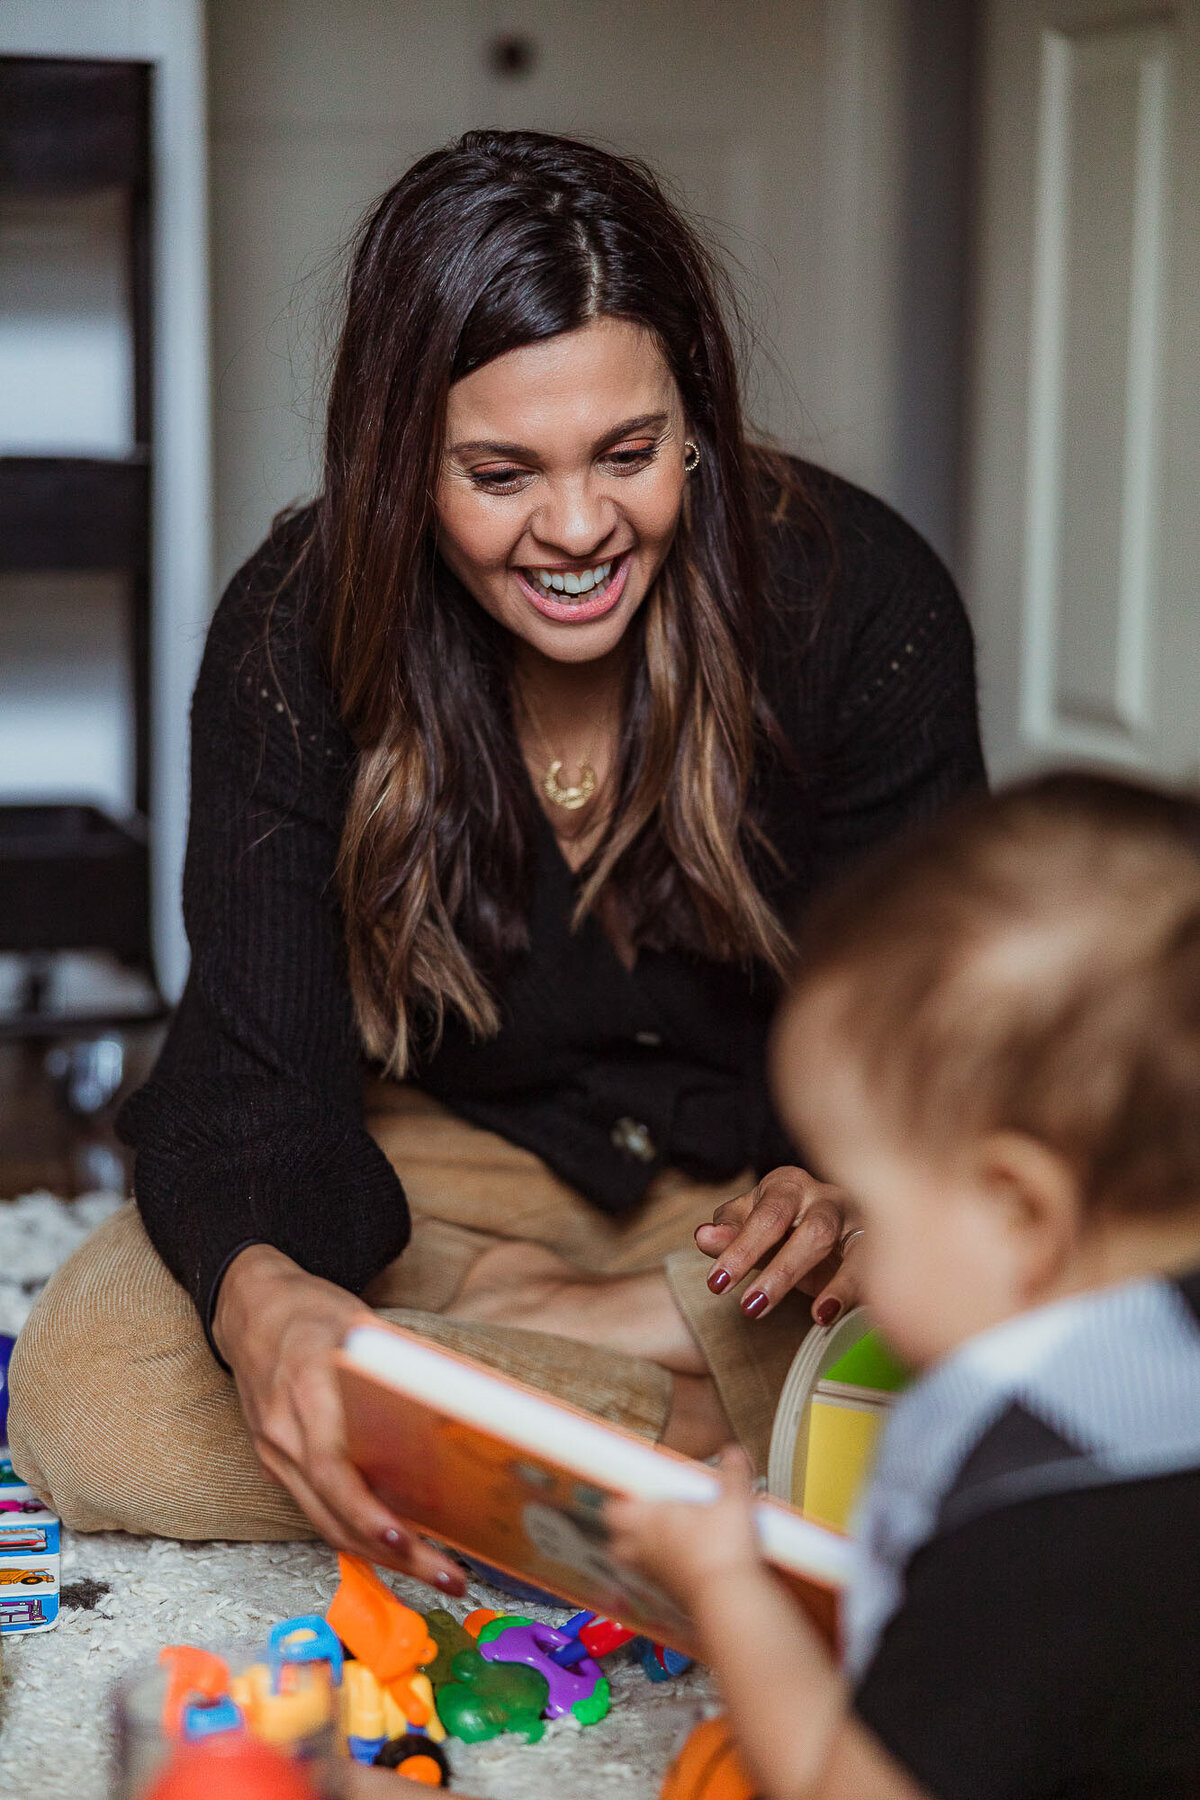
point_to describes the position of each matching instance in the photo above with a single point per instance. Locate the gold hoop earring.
(691, 457)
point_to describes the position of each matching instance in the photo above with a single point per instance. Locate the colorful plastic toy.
(708, 1767)
(194, 1677)
(659, 1662)
(7, 1346)
(593, 1636)
(450, 1637)
(475, 1621)
(582, 1690)
(371, 1718)
(417, 1758)
(389, 1637)
(486, 1698)
(234, 1768)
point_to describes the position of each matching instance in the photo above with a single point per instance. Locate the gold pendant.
(572, 798)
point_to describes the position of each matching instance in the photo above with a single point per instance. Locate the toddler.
(994, 1046)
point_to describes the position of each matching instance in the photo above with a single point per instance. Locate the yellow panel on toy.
(829, 1419)
(842, 1434)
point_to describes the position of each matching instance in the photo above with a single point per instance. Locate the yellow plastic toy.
(390, 1638)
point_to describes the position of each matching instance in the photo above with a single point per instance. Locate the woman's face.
(561, 485)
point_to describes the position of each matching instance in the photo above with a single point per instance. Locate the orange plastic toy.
(236, 1768)
(192, 1675)
(708, 1767)
(389, 1637)
(475, 1621)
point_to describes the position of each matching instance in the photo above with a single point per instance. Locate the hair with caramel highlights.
(506, 239)
(1032, 963)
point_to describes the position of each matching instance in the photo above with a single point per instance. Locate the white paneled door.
(1084, 518)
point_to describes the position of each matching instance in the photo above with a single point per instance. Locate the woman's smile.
(574, 596)
(562, 483)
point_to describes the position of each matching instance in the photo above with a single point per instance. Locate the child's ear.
(1036, 1196)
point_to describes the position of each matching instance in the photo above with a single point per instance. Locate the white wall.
(170, 34)
(826, 140)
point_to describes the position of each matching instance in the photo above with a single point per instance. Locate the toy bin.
(193, 1695)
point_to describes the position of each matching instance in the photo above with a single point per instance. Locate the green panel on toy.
(500, 1623)
(870, 1364)
(594, 1706)
(484, 1699)
(451, 1640)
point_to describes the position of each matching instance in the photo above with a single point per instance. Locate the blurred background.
(968, 240)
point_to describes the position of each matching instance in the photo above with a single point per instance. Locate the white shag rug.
(125, 1597)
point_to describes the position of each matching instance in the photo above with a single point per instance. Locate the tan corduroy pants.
(121, 1419)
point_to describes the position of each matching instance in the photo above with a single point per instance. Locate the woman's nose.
(574, 520)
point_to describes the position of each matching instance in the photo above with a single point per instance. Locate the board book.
(502, 1472)
(831, 1412)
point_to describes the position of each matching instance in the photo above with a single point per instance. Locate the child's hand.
(684, 1545)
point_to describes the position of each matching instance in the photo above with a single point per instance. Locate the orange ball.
(708, 1767)
(236, 1768)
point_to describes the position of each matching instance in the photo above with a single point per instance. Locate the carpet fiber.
(124, 1597)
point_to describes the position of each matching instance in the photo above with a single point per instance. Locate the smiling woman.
(514, 757)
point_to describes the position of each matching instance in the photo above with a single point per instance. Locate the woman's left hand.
(685, 1545)
(806, 1222)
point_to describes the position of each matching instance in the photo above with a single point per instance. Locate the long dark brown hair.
(501, 240)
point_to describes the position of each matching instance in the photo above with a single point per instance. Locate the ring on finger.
(846, 1241)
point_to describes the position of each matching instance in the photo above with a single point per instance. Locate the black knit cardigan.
(250, 1128)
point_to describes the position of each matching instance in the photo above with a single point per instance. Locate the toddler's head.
(994, 1044)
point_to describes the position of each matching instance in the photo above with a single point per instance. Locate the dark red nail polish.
(754, 1303)
(719, 1280)
(828, 1311)
(450, 1584)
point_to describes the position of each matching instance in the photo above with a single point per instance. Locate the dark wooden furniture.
(71, 876)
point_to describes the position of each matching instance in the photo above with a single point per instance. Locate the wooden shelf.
(72, 878)
(72, 127)
(74, 512)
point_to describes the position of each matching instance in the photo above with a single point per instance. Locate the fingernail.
(828, 1311)
(719, 1280)
(390, 1536)
(754, 1303)
(450, 1584)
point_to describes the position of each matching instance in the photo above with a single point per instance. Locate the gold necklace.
(570, 797)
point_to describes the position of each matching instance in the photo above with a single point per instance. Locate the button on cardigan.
(251, 1127)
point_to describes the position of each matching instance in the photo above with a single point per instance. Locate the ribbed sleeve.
(250, 1129)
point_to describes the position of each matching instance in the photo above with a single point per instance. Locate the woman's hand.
(807, 1219)
(686, 1546)
(277, 1328)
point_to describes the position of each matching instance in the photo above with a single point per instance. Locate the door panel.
(1086, 350)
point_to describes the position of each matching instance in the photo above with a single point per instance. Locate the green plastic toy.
(483, 1699)
(450, 1639)
(581, 1690)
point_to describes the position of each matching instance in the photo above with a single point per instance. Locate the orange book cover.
(492, 1467)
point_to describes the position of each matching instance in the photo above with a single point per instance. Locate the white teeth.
(571, 583)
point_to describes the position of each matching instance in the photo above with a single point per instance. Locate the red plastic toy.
(236, 1768)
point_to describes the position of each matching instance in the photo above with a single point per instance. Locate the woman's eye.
(499, 481)
(628, 461)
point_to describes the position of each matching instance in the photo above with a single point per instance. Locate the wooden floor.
(42, 1143)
